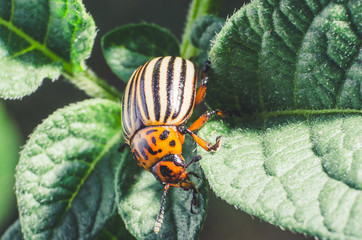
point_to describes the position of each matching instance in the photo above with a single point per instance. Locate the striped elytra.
(158, 100)
(160, 92)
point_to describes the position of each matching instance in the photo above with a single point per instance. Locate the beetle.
(159, 98)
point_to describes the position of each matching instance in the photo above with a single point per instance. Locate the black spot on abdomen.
(172, 143)
(142, 145)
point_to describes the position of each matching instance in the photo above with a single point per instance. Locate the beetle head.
(170, 169)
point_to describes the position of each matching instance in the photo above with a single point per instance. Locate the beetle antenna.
(193, 160)
(159, 219)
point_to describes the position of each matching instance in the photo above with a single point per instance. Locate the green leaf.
(40, 39)
(293, 55)
(292, 71)
(138, 195)
(198, 8)
(9, 154)
(65, 177)
(128, 47)
(204, 30)
(114, 229)
(300, 173)
(13, 232)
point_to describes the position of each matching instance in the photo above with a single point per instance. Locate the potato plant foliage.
(288, 74)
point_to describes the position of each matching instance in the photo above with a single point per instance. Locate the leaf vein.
(100, 186)
(247, 14)
(344, 75)
(260, 89)
(345, 229)
(107, 147)
(289, 198)
(278, 34)
(24, 51)
(12, 11)
(297, 55)
(41, 47)
(46, 36)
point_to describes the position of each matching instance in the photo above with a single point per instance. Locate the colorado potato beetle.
(159, 98)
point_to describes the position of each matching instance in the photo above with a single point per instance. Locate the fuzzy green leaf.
(292, 70)
(40, 39)
(138, 195)
(204, 30)
(9, 155)
(65, 176)
(13, 232)
(300, 173)
(198, 8)
(128, 47)
(291, 55)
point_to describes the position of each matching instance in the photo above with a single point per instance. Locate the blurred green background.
(223, 221)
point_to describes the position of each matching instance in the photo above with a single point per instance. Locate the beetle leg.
(173, 185)
(188, 185)
(203, 86)
(204, 118)
(205, 145)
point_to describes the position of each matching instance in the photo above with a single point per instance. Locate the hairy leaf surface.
(204, 30)
(288, 55)
(40, 39)
(65, 177)
(291, 71)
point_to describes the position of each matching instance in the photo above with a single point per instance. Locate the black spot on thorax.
(164, 134)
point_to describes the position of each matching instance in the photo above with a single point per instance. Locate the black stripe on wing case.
(124, 119)
(137, 114)
(129, 122)
(142, 92)
(169, 87)
(156, 89)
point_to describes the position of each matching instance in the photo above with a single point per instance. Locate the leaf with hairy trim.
(40, 39)
(290, 73)
(65, 176)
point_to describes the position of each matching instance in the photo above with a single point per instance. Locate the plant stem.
(197, 9)
(92, 85)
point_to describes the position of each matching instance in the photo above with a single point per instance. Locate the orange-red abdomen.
(151, 144)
